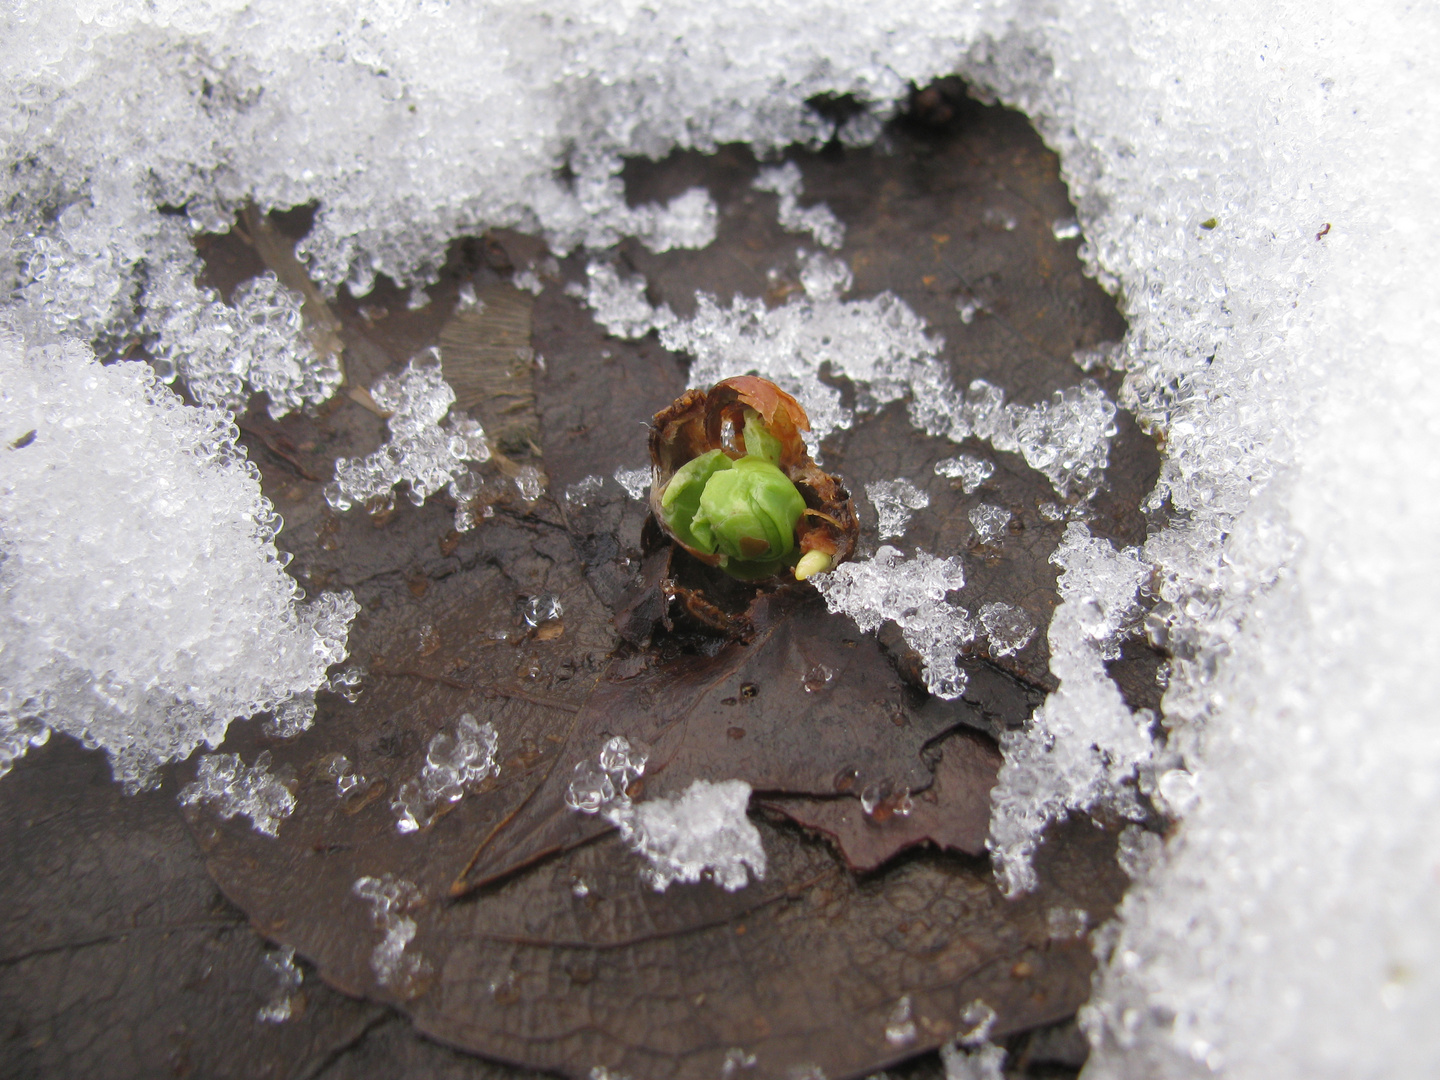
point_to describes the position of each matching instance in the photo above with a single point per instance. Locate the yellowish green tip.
(810, 564)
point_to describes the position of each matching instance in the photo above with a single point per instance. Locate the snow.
(454, 764)
(619, 304)
(819, 220)
(421, 452)
(1251, 180)
(231, 788)
(1084, 747)
(390, 898)
(989, 522)
(969, 470)
(701, 834)
(913, 595)
(143, 605)
(1007, 628)
(895, 502)
(282, 1004)
(636, 482)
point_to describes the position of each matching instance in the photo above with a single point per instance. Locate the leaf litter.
(510, 925)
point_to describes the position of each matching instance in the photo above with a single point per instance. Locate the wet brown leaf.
(953, 813)
(118, 957)
(809, 706)
(486, 356)
(575, 962)
(578, 964)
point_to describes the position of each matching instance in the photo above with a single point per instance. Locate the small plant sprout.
(736, 487)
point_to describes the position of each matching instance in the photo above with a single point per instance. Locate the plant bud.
(735, 485)
(749, 510)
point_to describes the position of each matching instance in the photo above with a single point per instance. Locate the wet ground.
(133, 938)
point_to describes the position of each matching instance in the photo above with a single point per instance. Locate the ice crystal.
(529, 482)
(900, 1025)
(541, 609)
(584, 490)
(1007, 628)
(619, 304)
(895, 501)
(970, 471)
(989, 522)
(454, 764)
(390, 898)
(818, 220)
(224, 353)
(702, 833)
(986, 1062)
(636, 482)
(1084, 747)
(231, 788)
(292, 716)
(339, 768)
(1063, 922)
(1067, 438)
(421, 452)
(281, 1006)
(873, 342)
(912, 594)
(736, 1058)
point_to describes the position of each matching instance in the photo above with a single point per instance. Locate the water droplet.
(1062, 923)
(900, 1027)
(873, 796)
(623, 761)
(590, 790)
(506, 991)
(542, 609)
(818, 678)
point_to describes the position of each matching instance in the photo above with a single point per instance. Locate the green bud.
(680, 501)
(759, 442)
(749, 511)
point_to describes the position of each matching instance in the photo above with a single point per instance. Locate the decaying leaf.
(808, 707)
(559, 955)
(952, 814)
(487, 358)
(119, 958)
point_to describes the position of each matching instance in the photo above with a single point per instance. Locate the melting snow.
(421, 452)
(1249, 178)
(895, 501)
(636, 482)
(231, 788)
(970, 471)
(701, 833)
(912, 595)
(454, 764)
(818, 220)
(144, 605)
(390, 898)
(281, 1006)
